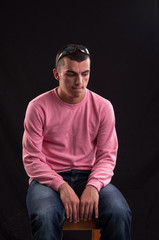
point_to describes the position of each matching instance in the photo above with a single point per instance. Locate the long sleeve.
(33, 157)
(106, 152)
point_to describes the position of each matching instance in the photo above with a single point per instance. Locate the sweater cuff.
(56, 184)
(95, 183)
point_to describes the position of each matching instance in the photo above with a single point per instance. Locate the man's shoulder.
(101, 105)
(42, 97)
(42, 102)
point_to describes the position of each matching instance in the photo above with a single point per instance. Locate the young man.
(69, 153)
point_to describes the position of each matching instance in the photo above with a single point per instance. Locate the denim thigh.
(111, 199)
(114, 214)
(44, 201)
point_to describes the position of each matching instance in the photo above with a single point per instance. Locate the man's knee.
(48, 216)
(114, 205)
(120, 211)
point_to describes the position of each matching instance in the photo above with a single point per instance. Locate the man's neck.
(69, 99)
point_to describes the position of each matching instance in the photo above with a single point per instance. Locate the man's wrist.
(89, 186)
(62, 186)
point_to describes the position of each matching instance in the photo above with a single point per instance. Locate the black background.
(123, 38)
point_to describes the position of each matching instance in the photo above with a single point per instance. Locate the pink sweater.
(59, 137)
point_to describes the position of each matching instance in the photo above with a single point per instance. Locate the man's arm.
(33, 158)
(102, 170)
(106, 153)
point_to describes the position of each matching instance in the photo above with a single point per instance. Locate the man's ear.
(56, 74)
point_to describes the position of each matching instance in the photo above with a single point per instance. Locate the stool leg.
(95, 234)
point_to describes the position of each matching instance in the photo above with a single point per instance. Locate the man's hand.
(89, 201)
(70, 202)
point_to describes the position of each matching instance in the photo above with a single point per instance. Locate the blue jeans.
(47, 213)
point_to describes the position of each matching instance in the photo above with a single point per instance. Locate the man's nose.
(78, 80)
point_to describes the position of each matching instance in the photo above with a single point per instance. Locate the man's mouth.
(77, 88)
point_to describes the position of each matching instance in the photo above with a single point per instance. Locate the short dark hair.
(79, 53)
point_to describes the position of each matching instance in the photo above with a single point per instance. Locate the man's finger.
(70, 213)
(78, 218)
(96, 210)
(90, 212)
(86, 212)
(81, 211)
(66, 210)
(74, 213)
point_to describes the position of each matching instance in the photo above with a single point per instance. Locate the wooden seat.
(89, 225)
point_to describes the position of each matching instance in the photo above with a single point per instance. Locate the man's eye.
(70, 74)
(85, 74)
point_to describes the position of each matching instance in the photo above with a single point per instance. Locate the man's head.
(74, 52)
(72, 71)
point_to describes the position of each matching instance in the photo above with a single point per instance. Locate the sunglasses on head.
(71, 49)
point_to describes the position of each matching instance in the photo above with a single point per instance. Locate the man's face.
(73, 78)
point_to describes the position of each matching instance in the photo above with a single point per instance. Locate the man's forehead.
(74, 65)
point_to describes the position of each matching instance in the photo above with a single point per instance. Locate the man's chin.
(78, 90)
(78, 94)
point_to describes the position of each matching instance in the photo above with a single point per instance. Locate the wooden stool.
(89, 225)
